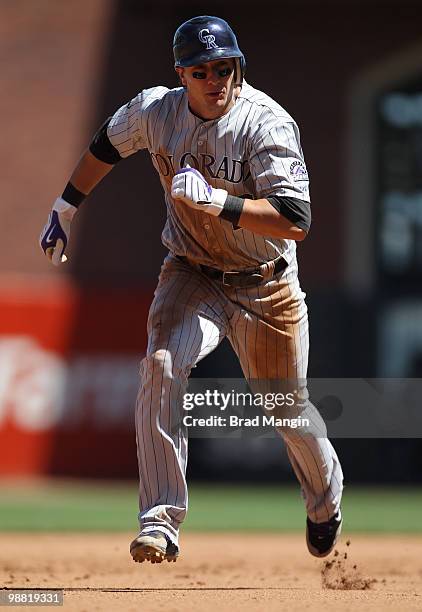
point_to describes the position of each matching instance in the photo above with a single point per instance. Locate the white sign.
(39, 389)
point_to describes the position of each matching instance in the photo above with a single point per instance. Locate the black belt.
(239, 278)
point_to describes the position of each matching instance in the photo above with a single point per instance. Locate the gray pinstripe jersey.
(253, 150)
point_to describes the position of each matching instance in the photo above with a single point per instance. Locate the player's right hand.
(56, 232)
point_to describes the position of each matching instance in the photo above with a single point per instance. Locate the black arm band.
(232, 209)
(72, 195)
(295, 210)
(101, 147)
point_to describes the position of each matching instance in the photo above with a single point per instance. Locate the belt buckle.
(241, 279)
(226, 278)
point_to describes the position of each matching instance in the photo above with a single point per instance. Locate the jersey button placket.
(201, 142)
(201, 138)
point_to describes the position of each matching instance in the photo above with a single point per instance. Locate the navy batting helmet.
(203, 39)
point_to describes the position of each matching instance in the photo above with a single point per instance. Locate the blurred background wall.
(71, 338)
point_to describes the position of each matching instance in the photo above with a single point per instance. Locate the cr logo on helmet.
(208, 40)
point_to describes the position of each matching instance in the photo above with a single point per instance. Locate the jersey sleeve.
(129, 126)
(276, 162)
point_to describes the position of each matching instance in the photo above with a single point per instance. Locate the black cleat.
(321, 537)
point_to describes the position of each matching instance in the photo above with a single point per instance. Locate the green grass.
(106, 507)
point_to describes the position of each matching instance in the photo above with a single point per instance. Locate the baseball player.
(236, 190)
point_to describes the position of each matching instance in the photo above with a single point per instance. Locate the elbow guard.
(295, 210)
(101, 146)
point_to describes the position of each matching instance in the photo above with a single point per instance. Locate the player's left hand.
(190, 186)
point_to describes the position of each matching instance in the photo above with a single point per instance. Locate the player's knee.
(161, 362)
(303, 421)
(158, 362)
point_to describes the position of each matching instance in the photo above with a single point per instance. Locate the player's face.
(210, 87)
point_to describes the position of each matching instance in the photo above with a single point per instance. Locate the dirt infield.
(218, 571)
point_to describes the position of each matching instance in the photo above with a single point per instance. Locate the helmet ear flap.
(239, 70)
(243, 66)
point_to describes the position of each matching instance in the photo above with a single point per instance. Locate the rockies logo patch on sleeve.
(298, 171)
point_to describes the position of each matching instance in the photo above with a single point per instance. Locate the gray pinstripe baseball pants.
(267, 326)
